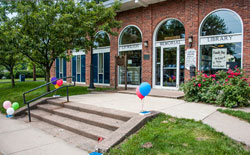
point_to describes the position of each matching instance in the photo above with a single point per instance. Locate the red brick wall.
(190, 13)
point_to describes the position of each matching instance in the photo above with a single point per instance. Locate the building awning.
(132, 4)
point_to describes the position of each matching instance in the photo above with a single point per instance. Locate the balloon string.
(142, 105)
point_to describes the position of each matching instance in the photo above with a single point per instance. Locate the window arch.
(130, 35)
(102, 39)
(221, 38)
(170, 29)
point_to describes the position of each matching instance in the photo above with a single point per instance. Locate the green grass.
(17, 80)
(15, 94)
(178, 136)
(237, 113)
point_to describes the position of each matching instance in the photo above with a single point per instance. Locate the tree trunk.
(12, 78)
(34, 72)
(48, 78)
(91, 83)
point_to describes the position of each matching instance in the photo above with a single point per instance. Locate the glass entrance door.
(169, 67)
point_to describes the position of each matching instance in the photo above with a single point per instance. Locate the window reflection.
(102, 39)
(221, 22)
(131, 35)
(233, 56)
(171, 29)
(133, 68)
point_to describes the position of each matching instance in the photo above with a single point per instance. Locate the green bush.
(225, 88)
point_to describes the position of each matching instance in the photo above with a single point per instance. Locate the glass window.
(218, 56)
(61, 65)
(130, 35)
(133, 68)
(101, 63)
(231, 55)
(221, 22)
(171, 29)
(102, 39)
(158, 66)
(78, 64)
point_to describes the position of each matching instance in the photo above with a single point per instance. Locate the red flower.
(199, 85)
(205, 75)
(213, 75)
(203, 80)
(213, 79)
(226, 80)
(249, 85)
(217, 81)
(235, 67)
(194, 84)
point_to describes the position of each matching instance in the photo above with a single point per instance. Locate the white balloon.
(10, 111)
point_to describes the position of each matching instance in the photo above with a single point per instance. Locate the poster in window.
(190, 58)
(219, 60)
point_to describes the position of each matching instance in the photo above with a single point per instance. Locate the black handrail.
(28, 102)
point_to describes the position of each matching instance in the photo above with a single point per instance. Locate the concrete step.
(86, 130)
(92, 119)
(74, 139)
(115, 114)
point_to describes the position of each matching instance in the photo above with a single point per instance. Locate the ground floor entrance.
(169, 66)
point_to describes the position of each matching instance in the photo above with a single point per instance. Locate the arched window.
(102, 39)
(220, 41)
(130, 35)
(130, 44)
(171, 29)
(101, 58)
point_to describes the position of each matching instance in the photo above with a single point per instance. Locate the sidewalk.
(208, 114)
(19, 138)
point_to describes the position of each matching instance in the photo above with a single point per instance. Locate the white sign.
(190, 58)
(130, 47)
(221, 39)
(170, 43)
(219, 60)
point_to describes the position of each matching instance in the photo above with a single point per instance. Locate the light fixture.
(190, 41)
(146, 43)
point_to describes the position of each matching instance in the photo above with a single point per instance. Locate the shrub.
(225, 88)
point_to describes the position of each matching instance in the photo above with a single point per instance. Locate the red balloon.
(59, 82)
(138, 93)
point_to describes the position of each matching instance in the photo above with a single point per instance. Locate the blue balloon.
(53, 79)
(145, 88)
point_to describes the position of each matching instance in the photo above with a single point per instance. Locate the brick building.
(163, 38)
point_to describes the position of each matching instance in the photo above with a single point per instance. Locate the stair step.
(92, 119)
(80, 128)
(106, 112)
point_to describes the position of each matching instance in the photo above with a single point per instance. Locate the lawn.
(15, 94)
(17, 80)
(237, 113)
(169, 135)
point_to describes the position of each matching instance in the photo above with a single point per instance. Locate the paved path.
(208, 114)
(19, 138)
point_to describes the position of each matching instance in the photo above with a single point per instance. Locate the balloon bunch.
(10, 108)
(57, 83)
(143, 90)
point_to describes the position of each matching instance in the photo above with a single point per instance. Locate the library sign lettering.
(219, 60)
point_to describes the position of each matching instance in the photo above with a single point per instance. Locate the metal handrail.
(32, 100)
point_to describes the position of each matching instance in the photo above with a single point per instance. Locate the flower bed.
(225, 88)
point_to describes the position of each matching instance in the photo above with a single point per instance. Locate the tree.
(45, 30)
(91, 18)
(9, 51)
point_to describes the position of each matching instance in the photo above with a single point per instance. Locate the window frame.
(240, 35)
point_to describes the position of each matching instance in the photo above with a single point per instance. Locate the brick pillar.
(147, 33)
(113, 53)
(88, 66)
(69, 67)
(53, 70)
(191, 28)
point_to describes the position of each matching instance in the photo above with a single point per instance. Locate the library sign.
(219, 60)
(220, 39)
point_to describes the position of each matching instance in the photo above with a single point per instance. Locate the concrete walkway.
(19, 138)
(208, 114)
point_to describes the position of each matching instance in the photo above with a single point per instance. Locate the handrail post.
(24, 101)
(67, 94)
